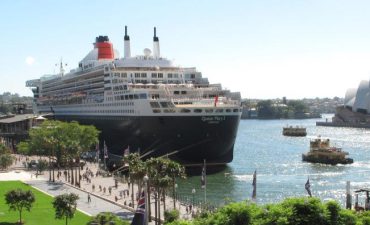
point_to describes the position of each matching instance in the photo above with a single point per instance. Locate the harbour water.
(281, 173)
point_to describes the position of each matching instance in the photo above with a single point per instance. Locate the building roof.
(16, 118)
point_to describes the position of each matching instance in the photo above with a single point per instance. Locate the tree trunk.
(149, 208)
(159, 206)
(66, 220)
(20, 216)
(76, 177)
(72, 175)
(155, 208)
(164, 200)
(132, 194)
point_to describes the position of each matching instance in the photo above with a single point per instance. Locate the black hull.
(187, 139)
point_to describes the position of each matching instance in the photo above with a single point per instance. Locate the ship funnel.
(105, 48)
(127, 49)
(156, 51)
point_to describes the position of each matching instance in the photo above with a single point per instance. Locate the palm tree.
(137, 171)
(162, 173)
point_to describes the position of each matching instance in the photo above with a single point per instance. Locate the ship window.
(209, 110)
(228, 110)
(142, 96)
(192, 76)
(183, 92)
(164, 104)
(108, 88)
(197, 110)
(176, 92)
(169, 75)
(126, 97)
(185, 110)
(154, 75)
(136, 96)
(169, 111)
(156, 110)
(106, 75)
(160, 75)
(107, 82)
(154, 104)
(137, 75)
(175, 75)
(219, 110)
(143, 74)
(235, 110)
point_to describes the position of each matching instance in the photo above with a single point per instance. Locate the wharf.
(100, 201)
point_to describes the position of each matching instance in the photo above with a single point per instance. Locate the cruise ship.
(144, 103)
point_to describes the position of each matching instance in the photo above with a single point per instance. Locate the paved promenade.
(113, 199)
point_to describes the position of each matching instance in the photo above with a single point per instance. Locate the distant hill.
(289, 109)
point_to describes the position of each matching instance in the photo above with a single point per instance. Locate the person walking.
(88, 198)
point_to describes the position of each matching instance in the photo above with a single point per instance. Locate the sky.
(263, 48)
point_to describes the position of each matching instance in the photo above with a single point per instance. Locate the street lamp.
(193, 192)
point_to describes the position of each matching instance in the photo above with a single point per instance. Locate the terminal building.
(14, 128)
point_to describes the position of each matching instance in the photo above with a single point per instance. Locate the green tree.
(18, 200)
(107, 218)
(60, 141)
(65, 206)
(41, 165)
(6, 159)
(170, 216)
(137, 170)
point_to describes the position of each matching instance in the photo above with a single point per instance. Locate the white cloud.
(30, 60)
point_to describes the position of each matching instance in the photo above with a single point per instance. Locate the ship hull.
(187, 139)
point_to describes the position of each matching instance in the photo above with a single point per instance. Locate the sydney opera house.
(356, 109)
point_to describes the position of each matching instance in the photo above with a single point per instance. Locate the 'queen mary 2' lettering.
(213, 119)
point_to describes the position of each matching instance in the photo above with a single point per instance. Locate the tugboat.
(322, 152)
(294, 131)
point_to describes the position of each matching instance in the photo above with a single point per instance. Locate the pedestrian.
(93, 187)
(116, 183)
(110, 190)
(187, 210)
(120, 194)
(125, 203)
(88, 198)
(190, 207)
(99, 187)
(115, 198)
(104, 190)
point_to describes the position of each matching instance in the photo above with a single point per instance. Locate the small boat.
(322, 152)
(294, 131)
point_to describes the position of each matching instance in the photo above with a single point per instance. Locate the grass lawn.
(42, 212)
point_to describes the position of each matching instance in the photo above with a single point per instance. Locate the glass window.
(160, 75)
(154, 75)
(197, 110)
(164, 104)
(169, 75)
(185, 110)
(154, 104)
(143, 74)
(209, 110)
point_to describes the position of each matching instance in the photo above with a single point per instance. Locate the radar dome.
(147, 52)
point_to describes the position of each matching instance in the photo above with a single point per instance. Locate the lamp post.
(174, 197)
(146, 178)
(193, 192)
